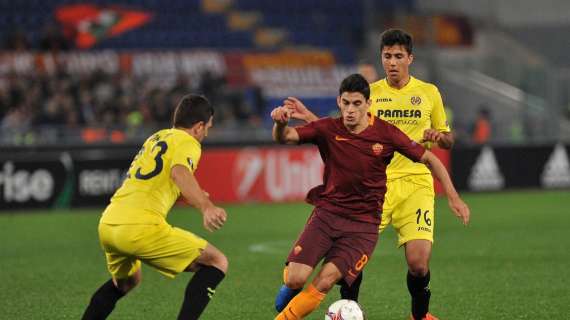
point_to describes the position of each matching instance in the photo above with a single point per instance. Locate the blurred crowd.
(115, 107)
(50, 39)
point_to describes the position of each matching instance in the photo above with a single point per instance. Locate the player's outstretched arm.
(459, 208)
(213, 217)
(444, 140)
(282, 133)
(298, 110)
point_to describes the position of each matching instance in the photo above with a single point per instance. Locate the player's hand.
(431, 135)
(206, 193)
(281, 115)
(214, 218)
(298, 110)
(460, 209)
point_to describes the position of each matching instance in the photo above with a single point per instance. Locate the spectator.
(482, 127)
(53, 40)
(16, 40)
(58, 101)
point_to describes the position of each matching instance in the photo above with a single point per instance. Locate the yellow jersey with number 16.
(148, 192)
(413, 109)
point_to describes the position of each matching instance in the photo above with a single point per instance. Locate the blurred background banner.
(92, 80)
(83, 177)
(260, 174)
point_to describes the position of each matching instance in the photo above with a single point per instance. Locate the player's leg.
(311, 297)
(285, 293)
(391, 199)
(297, 275)
(351, 292)
(210, 267)
(105, 298)
(327, 277)
(418, 253)
(125, 271)
(308, 250)
(346, 258)
(414, 221)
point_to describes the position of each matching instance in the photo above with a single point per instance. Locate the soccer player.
(133, 228)
(343, 228)
(416, 108)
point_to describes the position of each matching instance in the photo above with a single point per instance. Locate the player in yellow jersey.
(133, 227)
(416, 108)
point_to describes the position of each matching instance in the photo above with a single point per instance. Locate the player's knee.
(221, 262)
(295, 281)
(325, 282)
(210, 256)
(325, 285)
(418, 267)
(218, 260)
(128, 284)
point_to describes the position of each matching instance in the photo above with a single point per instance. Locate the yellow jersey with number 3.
(413, 109)
(148, 192)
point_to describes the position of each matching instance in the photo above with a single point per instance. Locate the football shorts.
(168, 249)
(409, 207)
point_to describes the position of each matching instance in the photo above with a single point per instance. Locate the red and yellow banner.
(266, 174)
(260, 174)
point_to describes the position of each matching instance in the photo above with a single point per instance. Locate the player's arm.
(416, 152)
(439, 132)
(298, 110)
(444, 140)
(282, 133)
(459, 208)
(213, 217)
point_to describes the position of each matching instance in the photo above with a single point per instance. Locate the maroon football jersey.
(354, 180)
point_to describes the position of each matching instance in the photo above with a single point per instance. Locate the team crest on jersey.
(415, 100)
(377, 149)
(297, 249)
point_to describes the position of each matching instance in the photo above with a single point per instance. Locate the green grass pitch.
(510, 263)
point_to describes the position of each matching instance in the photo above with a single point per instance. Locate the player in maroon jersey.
(343, 228)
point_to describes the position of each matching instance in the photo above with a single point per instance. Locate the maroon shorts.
(346, 243)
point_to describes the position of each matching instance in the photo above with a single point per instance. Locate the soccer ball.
(344, 310)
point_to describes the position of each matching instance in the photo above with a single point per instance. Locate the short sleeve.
(438, 118)
(404, 145)
(308, 133)
(187, 154)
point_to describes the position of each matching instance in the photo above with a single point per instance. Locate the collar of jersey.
(188, 135)
(408, 85)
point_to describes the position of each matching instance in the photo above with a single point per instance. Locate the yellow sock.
(303, 304)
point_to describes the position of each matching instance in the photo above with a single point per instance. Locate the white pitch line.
(271, 247)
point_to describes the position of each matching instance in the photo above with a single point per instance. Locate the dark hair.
(355, 83)
(192, 109)
(393, 37)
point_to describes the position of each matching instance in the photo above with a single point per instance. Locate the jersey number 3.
(158, 161)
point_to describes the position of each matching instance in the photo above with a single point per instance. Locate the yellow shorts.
(169, 250)
(409, 207)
